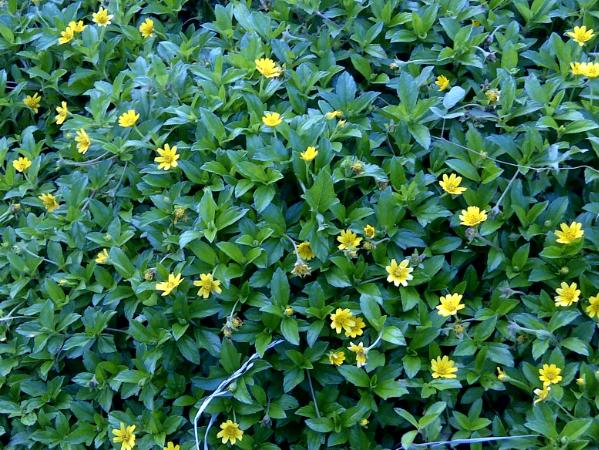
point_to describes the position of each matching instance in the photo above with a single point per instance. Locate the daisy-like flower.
(566, 295)
(442, 82)
(541, 394)
(83, 141)
(207, 284)
(342, 319)
(102, 18)
(550, 374)
(309, 154)
(49, 202)
(147, 28)
(102, 256)
(348, 240)
(492, 95)
(128, 119)
(356, 329)
(399, 273)
(450, 305)
(125, 435)
(361, 353)
(500, 374)
(230, 432)
(63, 112)
(336, 358)
(569, 233)
(301, 269)
(591, 69)
(593, 308)
(21, 164)
(472, 216)
(77, 27)
(66, 35)
(443, 367)
(172, 446)
(451, 184)
(168, 157)
(168, 286)
(581, 35)
(577, 68)
(33, 102)
(333, 115)
(272, 119)
(268, 68)
(305, 251)
(369, 231)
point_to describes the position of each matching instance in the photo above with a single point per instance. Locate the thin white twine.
(221, 390)
(470, 441)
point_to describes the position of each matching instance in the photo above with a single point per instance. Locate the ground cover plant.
(299, 224)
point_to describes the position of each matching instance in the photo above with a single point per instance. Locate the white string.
(470, 441)
(220, 390)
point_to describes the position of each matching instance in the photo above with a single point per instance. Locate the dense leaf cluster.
(392, 95)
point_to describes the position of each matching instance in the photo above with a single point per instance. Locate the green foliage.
(95, 330)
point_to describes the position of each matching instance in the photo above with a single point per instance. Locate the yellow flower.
(541, 394)
(580, 381)
(102, 18)
(450, 305)
(49, 202)
(207, 285)
(361, 353)
(147, 28)
(451, 184)
(66, 36)
(442, 82)
(336, 358)
(125, 436)
(581, 35)
(172, 446)
(305, 251)
(443, 368)
(62, 111)
(591, 70)
(356, 330)
(128, 119)
(566, 295)
(364, 422)
(168, 286)
(500, 374)
(342, 319)
(550, 374)
(492, 95)
(77, 27)
(309, 154)
(289, 311)
(369, 231)
(168, 157)
(348, 240)
(472, 216)
(399, 273)
(578, 68)
(569, 233)
(102, 256)
(271, 119)
(593, 308)
(83, 141)
(333, 115)
(268, 68)
(21, 164)
(33, 102)
(230, 432)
